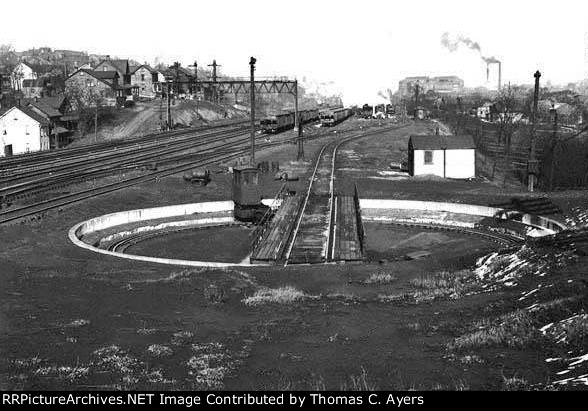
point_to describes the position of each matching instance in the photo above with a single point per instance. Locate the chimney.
(499, 75)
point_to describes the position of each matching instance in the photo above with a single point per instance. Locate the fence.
(359, 221)
(265, 221)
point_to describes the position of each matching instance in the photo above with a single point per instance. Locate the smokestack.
(499, 75)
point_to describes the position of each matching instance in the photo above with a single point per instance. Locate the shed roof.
(439, 142)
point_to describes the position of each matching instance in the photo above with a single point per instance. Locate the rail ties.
(310, 238)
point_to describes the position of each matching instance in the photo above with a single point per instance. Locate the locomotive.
(247, 195)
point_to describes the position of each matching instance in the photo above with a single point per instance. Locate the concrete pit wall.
(383, 210)
(202, 213)
(221, 212)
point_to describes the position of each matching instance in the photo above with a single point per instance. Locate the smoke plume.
(453, 43)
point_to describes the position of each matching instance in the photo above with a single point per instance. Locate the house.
(88, 88)
(22, 130)
(34, 88)
(22, 71)
(121, 66)
(420, 113)
(443, 156)
(183, 79)
(55, 110)
(147, 81)
(5, 83)
(484, 110)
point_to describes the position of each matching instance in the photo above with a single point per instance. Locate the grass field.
(463, 318)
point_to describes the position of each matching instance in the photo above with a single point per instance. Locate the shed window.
(428, 157)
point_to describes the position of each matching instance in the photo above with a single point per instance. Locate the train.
(333, 116)
(280, 122)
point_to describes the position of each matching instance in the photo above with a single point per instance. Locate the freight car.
(332, 117)
(247, 195)
(277, 123)
(285, 121)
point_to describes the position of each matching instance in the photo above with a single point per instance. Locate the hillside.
(146, 117)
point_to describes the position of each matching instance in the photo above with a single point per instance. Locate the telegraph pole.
(252, 62)
(532, 165)
(214, 66)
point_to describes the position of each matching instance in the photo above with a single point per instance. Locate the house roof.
(33, 83)
(32, 114)
(99, 75)
(148, 67)
(119, 64)
(55, 102)
(47, 110)
(102, 75)
(439, 142)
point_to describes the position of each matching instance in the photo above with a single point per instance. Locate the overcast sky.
(362, 47)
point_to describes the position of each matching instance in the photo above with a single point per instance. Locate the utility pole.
(214, 90)
(298, 123)
(95, 126)
(553, 147)
(169, 126)
(532, 165)
(252, 62)
(196, 88)
(416, 95)
(177, 75)
(458, 116)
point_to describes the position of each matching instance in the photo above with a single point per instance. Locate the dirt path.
(132, 127)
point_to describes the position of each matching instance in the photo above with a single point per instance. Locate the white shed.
(443, 156)
(22, 130)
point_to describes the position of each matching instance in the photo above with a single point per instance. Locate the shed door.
(8, 150)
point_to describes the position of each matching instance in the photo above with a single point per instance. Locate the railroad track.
(119, 162)
(90, 150)
(185, 140)
(499, 238)
(313, 236)
(205, 159)
(122, 244)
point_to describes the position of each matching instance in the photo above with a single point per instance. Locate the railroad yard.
(204, 205)
(403, 304)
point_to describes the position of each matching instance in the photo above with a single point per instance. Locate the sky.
(352, 48)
